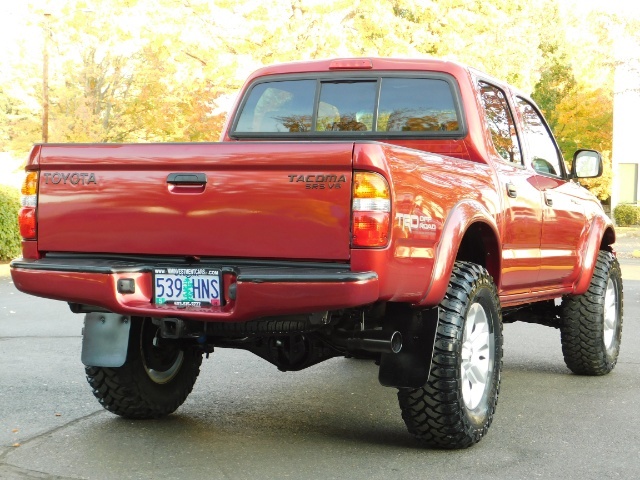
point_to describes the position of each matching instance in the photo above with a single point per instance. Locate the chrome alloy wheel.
(610, 315)
(477, 356)
(161, 362)
(164, 376)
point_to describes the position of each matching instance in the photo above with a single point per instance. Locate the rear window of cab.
(423, 106)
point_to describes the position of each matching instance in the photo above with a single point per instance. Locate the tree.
(579, 114)
(19, 125)
(167, 70)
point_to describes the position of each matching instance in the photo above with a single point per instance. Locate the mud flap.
(105, 339)
(410, 367)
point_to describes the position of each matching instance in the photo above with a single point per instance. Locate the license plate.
(187, 287)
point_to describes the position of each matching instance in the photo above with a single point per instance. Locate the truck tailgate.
(254, 200)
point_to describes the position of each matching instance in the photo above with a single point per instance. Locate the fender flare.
(464, 214)
(589, 253)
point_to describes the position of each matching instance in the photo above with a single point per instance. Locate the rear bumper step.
(251, 290)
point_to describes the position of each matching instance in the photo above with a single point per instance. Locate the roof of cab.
(361, 64)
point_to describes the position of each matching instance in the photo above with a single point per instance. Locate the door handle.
(512, 191)
(183, 182)
(187, 178)
(548, 199)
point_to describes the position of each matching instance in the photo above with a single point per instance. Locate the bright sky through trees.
(166, 70)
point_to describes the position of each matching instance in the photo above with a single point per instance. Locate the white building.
(626, 120)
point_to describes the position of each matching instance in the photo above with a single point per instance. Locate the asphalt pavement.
(246, 420)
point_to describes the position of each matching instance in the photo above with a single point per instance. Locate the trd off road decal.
(415, 222)
(417, 225)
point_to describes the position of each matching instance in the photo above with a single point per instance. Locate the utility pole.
(45, 79)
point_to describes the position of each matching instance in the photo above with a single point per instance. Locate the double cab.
(388, 209)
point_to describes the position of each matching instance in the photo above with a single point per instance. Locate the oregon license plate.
(187, 287)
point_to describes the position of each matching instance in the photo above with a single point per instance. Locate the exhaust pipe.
(377, 341)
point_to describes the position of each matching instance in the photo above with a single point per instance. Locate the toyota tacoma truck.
(393, 210)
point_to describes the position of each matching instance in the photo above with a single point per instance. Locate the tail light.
(29, 199)
(371, 210)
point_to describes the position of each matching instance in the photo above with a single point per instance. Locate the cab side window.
(501, 124)
(543, 153)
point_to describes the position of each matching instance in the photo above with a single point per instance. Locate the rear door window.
(500, 122)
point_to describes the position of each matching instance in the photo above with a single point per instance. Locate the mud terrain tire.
(153, 382)
(591, 324)
(454, 409)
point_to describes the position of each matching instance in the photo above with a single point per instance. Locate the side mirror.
(586, 164)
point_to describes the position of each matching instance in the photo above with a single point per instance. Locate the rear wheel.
(591, 327)
(454, 409)
(155, 380)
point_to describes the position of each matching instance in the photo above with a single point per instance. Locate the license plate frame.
(187, 287)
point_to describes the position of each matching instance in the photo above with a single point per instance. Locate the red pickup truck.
(396, 210)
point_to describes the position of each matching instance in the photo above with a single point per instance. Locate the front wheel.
(454, 409)
(155, 379)
(591, 324)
